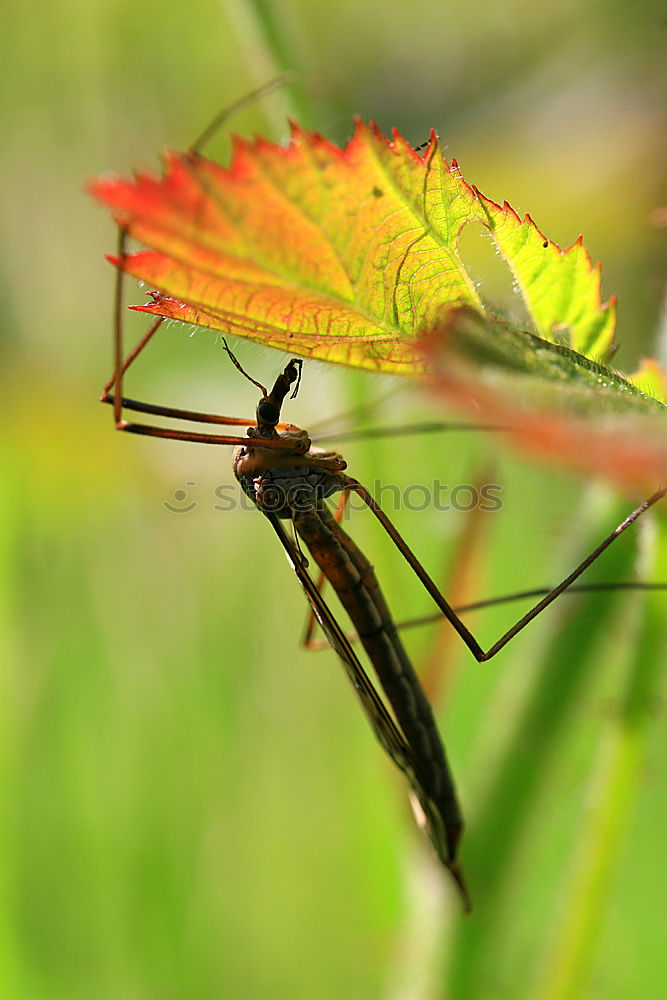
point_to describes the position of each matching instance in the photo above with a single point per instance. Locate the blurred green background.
(192, 807)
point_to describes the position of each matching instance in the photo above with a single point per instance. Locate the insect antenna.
(237, 364)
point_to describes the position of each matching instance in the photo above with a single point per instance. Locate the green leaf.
(560, 288)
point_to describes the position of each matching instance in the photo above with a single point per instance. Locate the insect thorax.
(281, 482)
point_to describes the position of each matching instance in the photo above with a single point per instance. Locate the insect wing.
(374, 708)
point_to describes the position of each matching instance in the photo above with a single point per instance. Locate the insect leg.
(448, 611)
(307, 639)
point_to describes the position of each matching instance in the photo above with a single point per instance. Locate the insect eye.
(267, 412)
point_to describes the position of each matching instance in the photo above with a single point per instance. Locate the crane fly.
(289, 480)
(293, 486)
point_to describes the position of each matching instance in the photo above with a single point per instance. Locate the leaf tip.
(541, 236)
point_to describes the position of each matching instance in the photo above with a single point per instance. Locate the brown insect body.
(293, 485)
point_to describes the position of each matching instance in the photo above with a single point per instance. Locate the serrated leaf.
(561, 288)
(343, 255)
(650, 379)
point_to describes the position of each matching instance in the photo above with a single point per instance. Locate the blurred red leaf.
(589, 427)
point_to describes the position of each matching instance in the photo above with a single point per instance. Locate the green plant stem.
(568, 665)
(267, 48)
(615, 785)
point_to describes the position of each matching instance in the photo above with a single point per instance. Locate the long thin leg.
(171, 411)
(494, 602)
(307, 640)
(118, 326)
(384, 725)
(106, 396)
(402, 430)
(231, 109)
(121, 365)
(148, 430)
(448, 611)
(297, 448)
